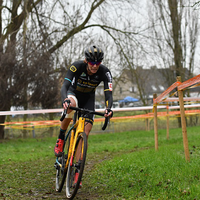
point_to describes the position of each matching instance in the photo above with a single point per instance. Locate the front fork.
(80, 129)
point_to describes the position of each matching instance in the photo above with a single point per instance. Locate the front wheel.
(76, 164)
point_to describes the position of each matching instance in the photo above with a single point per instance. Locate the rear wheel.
(61, 170)
(60, 174)
(76, 164)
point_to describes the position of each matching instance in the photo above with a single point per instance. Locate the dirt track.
(84, 193)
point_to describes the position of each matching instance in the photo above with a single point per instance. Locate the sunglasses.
(94, 63)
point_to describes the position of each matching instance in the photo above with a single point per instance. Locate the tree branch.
(78, 28)
(17, 20)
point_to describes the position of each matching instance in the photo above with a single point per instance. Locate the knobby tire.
(71, 190)
(62, 172)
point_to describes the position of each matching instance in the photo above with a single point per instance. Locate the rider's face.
(93, 68)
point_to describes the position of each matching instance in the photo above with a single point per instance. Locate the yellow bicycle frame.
(79, 125)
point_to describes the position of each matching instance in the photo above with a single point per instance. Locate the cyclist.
(79, 86)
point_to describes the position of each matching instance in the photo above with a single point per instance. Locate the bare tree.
(37, 34)
(11, 20)
(175, 30)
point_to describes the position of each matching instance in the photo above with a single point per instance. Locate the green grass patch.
(148, 175)
(120, 165)
(20, 150)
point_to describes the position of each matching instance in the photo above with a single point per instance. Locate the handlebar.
(86, 111)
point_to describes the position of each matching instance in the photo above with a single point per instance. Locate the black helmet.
(94, 54)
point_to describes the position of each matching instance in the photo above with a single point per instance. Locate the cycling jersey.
(78, 82)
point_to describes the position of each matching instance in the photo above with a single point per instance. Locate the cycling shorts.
(86, 101)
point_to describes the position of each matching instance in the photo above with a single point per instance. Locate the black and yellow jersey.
(78, 81)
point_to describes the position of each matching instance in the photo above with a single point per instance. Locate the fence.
(41, 127)
(194, 82)
(33, 126)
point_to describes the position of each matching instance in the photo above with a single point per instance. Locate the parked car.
(116, 105)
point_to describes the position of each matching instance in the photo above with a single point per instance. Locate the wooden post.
(147, 124)
(168, 122)
(155, 124)
(183, 123)
(33, 131)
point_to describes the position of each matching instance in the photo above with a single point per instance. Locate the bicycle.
(70, 162)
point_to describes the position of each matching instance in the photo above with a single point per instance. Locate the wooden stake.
(155, 124)
(148, 124)
(167, 122)
(183, 123)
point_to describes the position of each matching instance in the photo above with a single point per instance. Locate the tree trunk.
(2, 120)
(51, 117)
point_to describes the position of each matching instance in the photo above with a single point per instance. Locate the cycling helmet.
(94, 54)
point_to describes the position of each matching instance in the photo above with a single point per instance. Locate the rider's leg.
(70, 113)
(64, 125)
(88, 127)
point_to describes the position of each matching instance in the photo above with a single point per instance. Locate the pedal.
(78, 165)
(56, 165)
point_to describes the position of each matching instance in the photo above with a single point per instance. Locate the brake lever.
(65, 110)
(63, 115)
(107, 119)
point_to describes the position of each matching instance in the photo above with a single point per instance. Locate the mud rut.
(83, 193)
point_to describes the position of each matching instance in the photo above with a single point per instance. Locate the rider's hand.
(108, 113)
(66, 103)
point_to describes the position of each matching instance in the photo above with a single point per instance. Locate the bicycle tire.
(71, 189)
(61, 172)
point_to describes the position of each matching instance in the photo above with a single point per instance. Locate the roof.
(152, 80)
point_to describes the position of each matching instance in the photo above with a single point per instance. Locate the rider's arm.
(68, 81)
(108, 90)
(108, 99)
(64, 89)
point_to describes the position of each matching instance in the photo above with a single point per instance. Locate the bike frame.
(79, 126)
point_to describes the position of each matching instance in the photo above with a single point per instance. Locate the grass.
(20, 150)
(121, 165)
(148, 175)
(143, 173)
